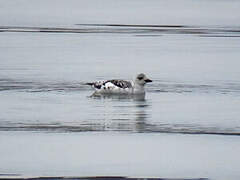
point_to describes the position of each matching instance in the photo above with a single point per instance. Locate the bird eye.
(140, 78)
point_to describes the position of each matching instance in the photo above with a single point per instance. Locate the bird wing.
(97, 85)
(111, 83)
(119, 83)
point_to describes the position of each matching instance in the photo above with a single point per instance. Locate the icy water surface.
(186, 127)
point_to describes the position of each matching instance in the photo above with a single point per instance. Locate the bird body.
(117, 86)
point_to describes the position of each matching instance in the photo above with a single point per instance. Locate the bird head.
(142, 79)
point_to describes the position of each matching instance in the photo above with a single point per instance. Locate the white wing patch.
(110, 88)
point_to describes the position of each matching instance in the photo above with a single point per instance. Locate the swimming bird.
(117, 86)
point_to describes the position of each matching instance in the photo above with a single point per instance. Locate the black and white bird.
(117, 86)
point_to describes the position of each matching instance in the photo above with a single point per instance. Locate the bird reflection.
(130, 113)
(141, 116)
(136, 97)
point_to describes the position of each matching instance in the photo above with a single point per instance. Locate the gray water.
(195, 72)
(186, 127)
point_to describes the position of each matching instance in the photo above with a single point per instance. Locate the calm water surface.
(195, 72)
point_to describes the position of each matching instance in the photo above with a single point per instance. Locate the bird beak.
(148, 80)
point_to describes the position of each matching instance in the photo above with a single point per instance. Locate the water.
(194, 90)
(191, 107)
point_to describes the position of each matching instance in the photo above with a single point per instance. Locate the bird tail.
(90, 84)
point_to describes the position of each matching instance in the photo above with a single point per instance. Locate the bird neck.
(138, 88)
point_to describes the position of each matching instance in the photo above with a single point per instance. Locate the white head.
(142, 79)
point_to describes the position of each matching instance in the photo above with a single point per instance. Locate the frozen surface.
(70, 12)
(114, 154)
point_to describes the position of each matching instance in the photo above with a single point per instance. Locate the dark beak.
(148, 80)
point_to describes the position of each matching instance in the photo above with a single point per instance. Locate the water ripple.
(20, 177)
(135, 29)
(30, 86)
(120, 125)
(156, 87)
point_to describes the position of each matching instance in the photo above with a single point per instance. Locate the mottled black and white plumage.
(106, 84)
(116, 86)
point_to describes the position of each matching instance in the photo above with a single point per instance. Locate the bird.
(121, 87)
